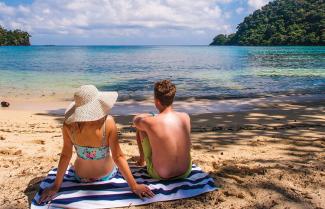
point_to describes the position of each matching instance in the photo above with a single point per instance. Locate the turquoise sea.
(198, 71)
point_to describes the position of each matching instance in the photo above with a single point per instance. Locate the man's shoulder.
(148, 119)
(183, 114)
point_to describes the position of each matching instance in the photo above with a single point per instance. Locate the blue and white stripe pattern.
(116, 193)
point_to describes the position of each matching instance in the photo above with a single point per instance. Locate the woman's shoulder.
(110, 122)
(66, 126)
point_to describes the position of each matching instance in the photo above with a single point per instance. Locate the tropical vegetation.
(14, 37)
(280, 22)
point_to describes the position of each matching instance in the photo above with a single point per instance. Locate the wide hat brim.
(93, 110)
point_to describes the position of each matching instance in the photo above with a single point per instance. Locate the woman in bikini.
(93, 133)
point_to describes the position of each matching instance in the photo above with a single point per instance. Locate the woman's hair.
(80, 124)
(165, 92)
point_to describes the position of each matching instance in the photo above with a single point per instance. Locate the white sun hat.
(89, 105)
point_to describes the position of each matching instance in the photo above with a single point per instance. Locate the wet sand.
(271, 155)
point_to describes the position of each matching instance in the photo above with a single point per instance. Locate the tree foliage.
(13, 37)
(280, 22)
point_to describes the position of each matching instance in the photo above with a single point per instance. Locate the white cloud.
(84, 16)
(5, 10)
(126, 19)
(257, 4)
(240, 10)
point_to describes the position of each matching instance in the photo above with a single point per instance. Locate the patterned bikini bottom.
(109, 176)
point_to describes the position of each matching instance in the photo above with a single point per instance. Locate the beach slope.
(267, 157)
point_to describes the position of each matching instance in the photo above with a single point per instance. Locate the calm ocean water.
(198, 71)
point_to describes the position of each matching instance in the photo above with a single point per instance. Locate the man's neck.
(167, 109)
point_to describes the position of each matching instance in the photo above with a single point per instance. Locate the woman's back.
(93, 133)
(90, 140)
(88, 134)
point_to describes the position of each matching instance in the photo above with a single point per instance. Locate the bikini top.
(92, 153)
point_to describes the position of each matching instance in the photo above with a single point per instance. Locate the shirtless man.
(164, 139)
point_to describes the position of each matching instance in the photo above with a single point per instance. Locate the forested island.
(280, 22)
(14, 37)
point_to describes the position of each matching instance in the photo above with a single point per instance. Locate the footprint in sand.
(197, 146)
(215, 165)
(5, 152)
(18, 152)
(11, 152)
(38, 141)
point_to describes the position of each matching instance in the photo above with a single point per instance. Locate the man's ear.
(157, 101)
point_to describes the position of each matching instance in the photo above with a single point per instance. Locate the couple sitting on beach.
(163, 140)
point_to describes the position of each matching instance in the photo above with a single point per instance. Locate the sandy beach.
(251, 75)
(270, 155)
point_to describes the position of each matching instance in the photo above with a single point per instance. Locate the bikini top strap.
(104, 141)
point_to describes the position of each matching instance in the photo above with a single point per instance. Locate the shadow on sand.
(286, 125)
(32, 188)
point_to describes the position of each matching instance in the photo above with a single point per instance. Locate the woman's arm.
(119, 158)
(65, 158)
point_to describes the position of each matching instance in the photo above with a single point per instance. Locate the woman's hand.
(48, 194)
(66, 154)
(142, 191)
(119, 159)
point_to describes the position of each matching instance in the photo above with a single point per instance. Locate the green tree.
(281, 22)
(221, 39)
(14, 38)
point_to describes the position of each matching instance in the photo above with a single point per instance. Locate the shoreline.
(52, 106)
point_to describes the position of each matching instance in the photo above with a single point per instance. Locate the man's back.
(164, 140)
(169, 136)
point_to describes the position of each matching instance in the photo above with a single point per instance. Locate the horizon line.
(119, 45)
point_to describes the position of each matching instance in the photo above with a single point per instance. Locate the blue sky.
(17, 2)
(125, 22)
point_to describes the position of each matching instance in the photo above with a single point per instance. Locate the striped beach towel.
(116, 193)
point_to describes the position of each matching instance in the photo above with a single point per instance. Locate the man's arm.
(141, 160)
(188, 123)
(141, 121)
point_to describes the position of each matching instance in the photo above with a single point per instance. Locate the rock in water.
(5, 104)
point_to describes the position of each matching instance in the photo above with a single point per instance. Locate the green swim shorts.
(148, 158)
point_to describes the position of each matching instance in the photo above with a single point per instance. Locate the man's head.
(165, 92)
